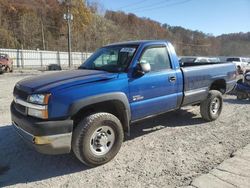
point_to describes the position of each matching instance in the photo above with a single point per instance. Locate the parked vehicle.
(88, 110)
(243, 87)
(52, 67)
(190, 60)
(1, 69)
(240, 62)
(6, 63)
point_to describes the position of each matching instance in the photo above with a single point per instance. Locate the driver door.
(155, 91)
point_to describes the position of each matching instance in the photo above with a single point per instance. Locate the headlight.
(39, 98)
(39, 107)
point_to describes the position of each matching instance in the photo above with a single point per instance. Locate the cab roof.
(137, 43)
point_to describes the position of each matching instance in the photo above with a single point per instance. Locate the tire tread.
(205, 105)
(81, 130)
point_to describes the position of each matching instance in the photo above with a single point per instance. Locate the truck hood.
(63, 79)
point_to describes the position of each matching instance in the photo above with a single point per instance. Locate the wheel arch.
(219, 85)
(114, 103)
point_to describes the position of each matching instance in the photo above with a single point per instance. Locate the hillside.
(39, 24)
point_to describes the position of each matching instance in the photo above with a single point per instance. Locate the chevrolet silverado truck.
(89, 110)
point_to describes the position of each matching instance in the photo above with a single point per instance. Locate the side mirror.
(142, 68)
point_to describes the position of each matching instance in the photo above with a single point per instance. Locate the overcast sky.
(209, 16)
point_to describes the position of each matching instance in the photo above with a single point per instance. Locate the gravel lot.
(167, 151)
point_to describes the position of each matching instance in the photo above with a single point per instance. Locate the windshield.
(110, 59)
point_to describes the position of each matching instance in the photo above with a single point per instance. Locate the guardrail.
(41, 59)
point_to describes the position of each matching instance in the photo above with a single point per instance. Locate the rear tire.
(97, 139)
(7, 69)
(239, 96)
(211, 107)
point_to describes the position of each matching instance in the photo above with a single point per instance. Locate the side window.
(157, 57)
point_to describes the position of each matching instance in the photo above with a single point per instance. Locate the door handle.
(172, 78)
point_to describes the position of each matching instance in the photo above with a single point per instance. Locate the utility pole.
(43, 40)
(69, 17)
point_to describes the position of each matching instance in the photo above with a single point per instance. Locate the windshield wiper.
(95, 68)
(98, 69)
(82, 67)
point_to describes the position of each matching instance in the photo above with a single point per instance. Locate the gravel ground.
(167, 151)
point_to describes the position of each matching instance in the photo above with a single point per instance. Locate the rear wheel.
(4, 69)
(211, 107)
(1, 69)
(239, 96)
(242, 96)
(97, 139)
(7, 69)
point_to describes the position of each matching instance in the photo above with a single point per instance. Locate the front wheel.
(97, 139)
(211, 107)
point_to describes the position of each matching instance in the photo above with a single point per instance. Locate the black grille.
(20, 94)
(20, 108)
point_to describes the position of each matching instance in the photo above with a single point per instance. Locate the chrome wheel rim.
(215, 106)
(102, 140)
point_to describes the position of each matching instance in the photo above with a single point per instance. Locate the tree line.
(39, 24)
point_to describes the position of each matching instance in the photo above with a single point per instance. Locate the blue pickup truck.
(89, 110)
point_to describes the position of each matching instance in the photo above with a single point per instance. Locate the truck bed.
(200, 77)
(189, 64)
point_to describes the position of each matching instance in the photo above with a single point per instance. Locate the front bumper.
(48, 137)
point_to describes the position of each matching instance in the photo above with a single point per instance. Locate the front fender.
(76, 106)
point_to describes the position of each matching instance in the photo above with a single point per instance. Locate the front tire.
(97, 139)
(211, 107)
